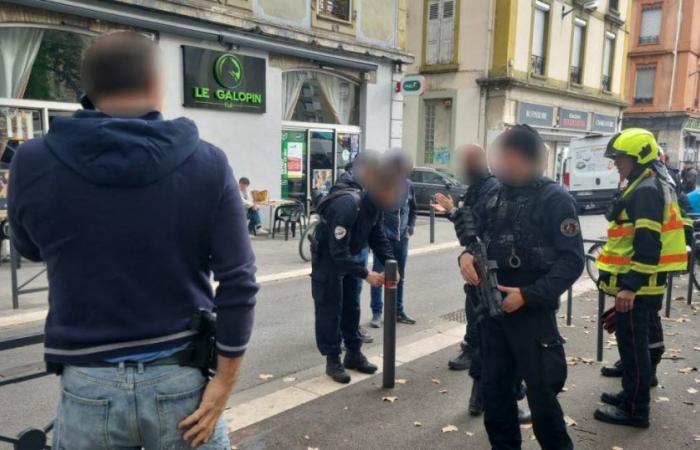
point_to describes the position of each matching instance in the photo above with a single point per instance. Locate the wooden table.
(273, 204)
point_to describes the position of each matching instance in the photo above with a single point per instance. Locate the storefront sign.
(575, 120)
(604, 124)
(536, 115)
(413, 85)
(223, 80)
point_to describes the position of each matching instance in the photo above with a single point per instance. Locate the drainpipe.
(483, 97)
(679, 17)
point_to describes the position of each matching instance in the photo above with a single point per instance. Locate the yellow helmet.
(637, 143)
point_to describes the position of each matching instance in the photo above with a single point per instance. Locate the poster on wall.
(223, 80)
(293, 153)
(322, 181)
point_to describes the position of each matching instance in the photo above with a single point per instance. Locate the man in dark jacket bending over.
(131, 214)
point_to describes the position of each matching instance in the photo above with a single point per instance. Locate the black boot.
(614, 371)
(335, 369)
(611, 398)
(618, 416)
(475, 405)
(358, 361)
(654, 379)
(463, 361)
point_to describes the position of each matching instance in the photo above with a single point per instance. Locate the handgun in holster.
(202, 350)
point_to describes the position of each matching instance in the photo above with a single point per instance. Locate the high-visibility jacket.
(618, 255)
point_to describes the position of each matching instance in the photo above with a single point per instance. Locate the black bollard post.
(432, 225)
(601, 310)
(669, 292)
(391, 271)
(569, 305)
(14, 266)
(691, 270)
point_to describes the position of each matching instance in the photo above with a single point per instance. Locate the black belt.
(174, 359)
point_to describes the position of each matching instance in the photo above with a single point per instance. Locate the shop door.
(321, 163)
(294, 165)
(346, 150)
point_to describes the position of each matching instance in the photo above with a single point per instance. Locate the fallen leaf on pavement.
(470, 434)
(401, 381)
(692, 391)
(616, 448)
(289, 379)
(662, 399)
(443, 391)
(569, 421)
(389, 399)
(697, 349)
(306, 436)
(417, 424)
(266, 376)
(449, 429)
(311, 448)
(687, 370)
(435, 381)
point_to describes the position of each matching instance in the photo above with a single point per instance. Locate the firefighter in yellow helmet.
(645, 242)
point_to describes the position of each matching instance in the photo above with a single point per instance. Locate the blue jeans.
(400, 249)
(129, 409)
(253, 220)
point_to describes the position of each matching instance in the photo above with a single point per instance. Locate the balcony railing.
(537, 64)
(606, 82)
(643, 100)
(651, 39)
(576, 73)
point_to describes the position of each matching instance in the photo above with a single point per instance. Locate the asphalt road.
(283, 341)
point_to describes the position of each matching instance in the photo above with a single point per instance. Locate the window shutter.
(447, 32)
(645, 83)
(432, 44)
(607, 55)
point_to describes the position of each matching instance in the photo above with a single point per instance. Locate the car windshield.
(451, 178)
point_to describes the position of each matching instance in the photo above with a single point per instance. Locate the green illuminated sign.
(222, 80)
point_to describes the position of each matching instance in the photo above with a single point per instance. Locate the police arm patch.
(570, 227)
(340, 232)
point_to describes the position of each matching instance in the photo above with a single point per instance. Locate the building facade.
(557, 65)
(663, 80)
(291, 90)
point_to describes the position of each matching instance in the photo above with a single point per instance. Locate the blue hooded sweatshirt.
(131, 216)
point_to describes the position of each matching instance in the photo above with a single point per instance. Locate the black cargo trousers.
(523, 345)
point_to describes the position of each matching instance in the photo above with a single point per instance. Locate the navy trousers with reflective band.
(337, 306)
(635, 330)
(129, 409)
(524, 345)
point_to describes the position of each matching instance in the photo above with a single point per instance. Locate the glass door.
(321, 163)
(294, 165)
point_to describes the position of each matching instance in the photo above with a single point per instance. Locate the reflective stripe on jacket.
(618, 255)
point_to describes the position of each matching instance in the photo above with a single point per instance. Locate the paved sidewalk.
(430, 398)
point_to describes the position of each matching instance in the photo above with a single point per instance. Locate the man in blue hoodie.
(131, 214)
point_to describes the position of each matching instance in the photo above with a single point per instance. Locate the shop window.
(438, 131)
(539, 38)
(608, 61)
(44, 64)
(336, 9)
(644, 89)
(577, 51)
(650, 28)
(319, 98)
(440, 36)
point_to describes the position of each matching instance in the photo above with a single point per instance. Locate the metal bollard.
(14, 266)
(569, 305)
(669, 292)
(691, 269)
(432, 226)
(391, 270)
(601, 310)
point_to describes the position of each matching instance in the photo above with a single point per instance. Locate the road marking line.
(261, 408)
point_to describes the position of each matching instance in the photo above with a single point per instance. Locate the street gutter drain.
(459, 316)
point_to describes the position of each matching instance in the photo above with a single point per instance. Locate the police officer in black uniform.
(532, 232)
(351, 219)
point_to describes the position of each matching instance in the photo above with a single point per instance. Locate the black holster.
(201, 353)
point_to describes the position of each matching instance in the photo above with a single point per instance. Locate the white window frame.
(544, 8)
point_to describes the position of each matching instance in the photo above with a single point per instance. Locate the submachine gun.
(490, 300)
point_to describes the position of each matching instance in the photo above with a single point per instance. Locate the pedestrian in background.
(399, 225)
(131, 214)
(252, 210)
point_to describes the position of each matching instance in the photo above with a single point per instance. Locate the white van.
(590, 177)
